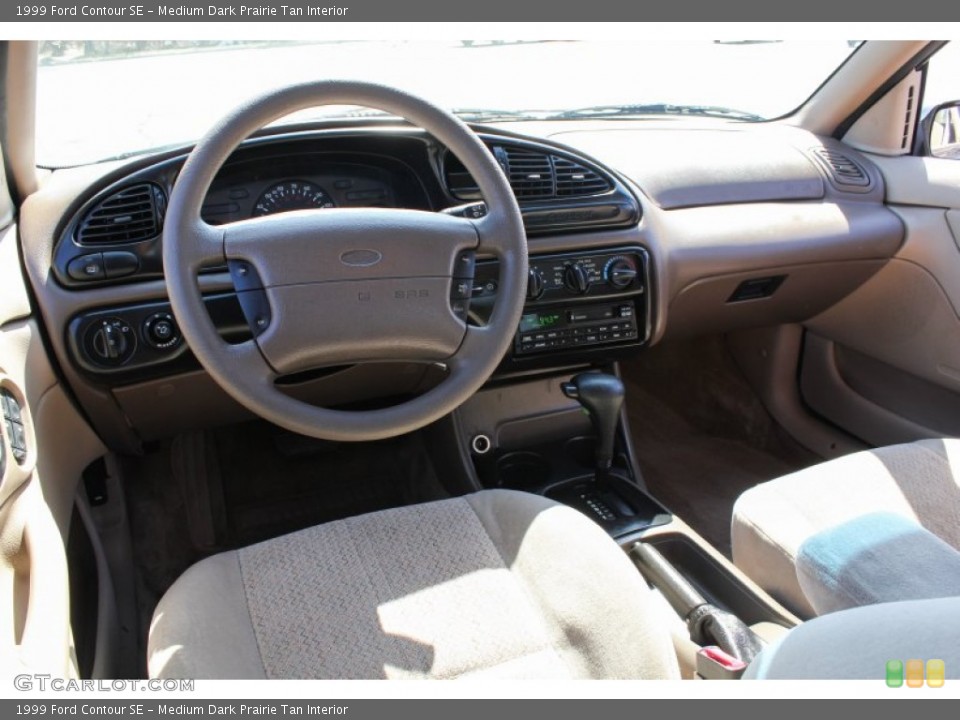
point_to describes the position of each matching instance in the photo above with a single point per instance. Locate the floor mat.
(702, 436)
(206, 492)
(275, 482)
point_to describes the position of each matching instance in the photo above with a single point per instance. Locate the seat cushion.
(876, 558)
(494, 584)
(857, 644)
(917, 481)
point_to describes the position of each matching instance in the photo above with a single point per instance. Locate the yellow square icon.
(914, 673)
(936, 671)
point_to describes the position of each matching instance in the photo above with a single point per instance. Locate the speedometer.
(292, 195)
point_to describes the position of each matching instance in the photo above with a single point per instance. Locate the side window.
(6, 204)
(941, 104)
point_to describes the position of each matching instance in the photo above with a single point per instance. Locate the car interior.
(414, 396)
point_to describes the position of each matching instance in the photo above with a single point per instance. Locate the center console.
(532, 434)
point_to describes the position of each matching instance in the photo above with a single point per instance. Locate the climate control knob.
(535, 284)
(577, 278)
(620, 273)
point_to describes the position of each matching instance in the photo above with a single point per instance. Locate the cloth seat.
(771, 522)
(498, 584)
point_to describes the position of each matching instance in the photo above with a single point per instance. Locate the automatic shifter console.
(601, 395)
(612, 500)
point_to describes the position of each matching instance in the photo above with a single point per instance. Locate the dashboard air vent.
(531, 173)
(844, 170)
(129, 215)
(459, 182)
(574, 179)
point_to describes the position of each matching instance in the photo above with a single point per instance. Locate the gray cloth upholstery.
(856, 644)
(917, 481)
(495, 584)
(879, 557)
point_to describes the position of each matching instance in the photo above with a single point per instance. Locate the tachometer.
(292, 195)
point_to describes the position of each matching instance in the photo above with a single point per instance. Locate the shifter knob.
(601, 395)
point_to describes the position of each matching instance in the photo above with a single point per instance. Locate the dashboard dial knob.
(535, 286)
(576, 278)
(620, 273)
(111, 342)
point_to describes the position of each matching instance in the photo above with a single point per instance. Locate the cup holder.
(582, 450)
(522, 469)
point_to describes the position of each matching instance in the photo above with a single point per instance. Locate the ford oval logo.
(361, 258)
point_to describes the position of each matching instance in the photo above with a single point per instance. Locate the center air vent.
(844, 171)
(530, 173)
(129, 215)
(574, 179)
(533, 175)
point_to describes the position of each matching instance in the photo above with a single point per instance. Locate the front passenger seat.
(875, 526)
(498, 584)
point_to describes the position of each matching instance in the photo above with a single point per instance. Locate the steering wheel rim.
(257, 248)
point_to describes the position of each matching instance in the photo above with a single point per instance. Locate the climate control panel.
(575, 276)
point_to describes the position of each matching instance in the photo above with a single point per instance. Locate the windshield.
(98, 100)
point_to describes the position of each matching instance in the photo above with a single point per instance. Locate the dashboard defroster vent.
(129, 215)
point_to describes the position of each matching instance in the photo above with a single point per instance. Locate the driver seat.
(497, 584)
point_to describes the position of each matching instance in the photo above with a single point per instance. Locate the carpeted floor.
(702, 436)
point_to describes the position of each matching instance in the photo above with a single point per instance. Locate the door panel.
(884, 363)
(37, 491)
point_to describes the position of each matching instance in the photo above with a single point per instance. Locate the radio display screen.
(539, 321)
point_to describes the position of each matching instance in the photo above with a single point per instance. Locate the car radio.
(561, 329)
(577, 301)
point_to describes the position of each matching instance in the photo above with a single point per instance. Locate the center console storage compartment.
(717, 584)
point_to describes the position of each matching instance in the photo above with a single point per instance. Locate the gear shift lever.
(601, 395)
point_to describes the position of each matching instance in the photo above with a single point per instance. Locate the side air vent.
(574, 179)
(844, 171)
(530, 173)
(533, 176)
(132, 214)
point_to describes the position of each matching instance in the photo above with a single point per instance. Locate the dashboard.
(635, 232)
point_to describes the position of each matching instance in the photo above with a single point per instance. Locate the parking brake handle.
(706, 623)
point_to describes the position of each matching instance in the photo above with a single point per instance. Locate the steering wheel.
(341, 286)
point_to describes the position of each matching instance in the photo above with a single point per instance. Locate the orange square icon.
(914, 673)
(936, 671)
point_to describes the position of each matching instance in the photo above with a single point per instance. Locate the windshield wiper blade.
(493, 115)
(608, 111)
